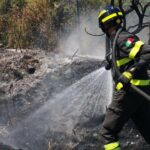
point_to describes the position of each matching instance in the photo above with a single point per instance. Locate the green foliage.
(19, 3)
(30, 20)
(5, 6)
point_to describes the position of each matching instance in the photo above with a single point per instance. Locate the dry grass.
(24, 25)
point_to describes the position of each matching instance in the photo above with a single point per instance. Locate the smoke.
(83, 43)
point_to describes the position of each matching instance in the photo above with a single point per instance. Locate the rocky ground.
(29, 78)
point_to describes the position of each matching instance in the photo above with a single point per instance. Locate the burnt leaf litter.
(29, 78)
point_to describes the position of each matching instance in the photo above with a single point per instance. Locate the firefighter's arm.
(129, 44)
(131, 47)
(134, 49)
(142, 60)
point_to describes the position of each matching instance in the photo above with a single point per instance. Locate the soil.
(29, 77)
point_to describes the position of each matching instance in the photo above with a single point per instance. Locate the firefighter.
(133, 57)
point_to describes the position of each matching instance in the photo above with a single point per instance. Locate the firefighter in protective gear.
(133, 57)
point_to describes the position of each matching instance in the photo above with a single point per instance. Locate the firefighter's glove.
(124, 81)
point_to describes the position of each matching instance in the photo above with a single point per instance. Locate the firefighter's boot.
(112, 146)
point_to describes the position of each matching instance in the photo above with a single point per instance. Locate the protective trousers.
(125, 105)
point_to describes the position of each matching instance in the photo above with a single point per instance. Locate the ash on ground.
(29, 78)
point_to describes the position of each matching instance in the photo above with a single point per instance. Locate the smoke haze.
(82, 43)
(85, 44)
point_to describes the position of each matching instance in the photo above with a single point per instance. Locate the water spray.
(83, 102)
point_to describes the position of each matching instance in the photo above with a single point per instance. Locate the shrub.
(38, 23)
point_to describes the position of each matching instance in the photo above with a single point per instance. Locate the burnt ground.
(29, 78)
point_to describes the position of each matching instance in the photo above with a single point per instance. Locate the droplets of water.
(80, 102)
(87, 97)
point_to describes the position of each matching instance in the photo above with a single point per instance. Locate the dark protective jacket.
(131, 53)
